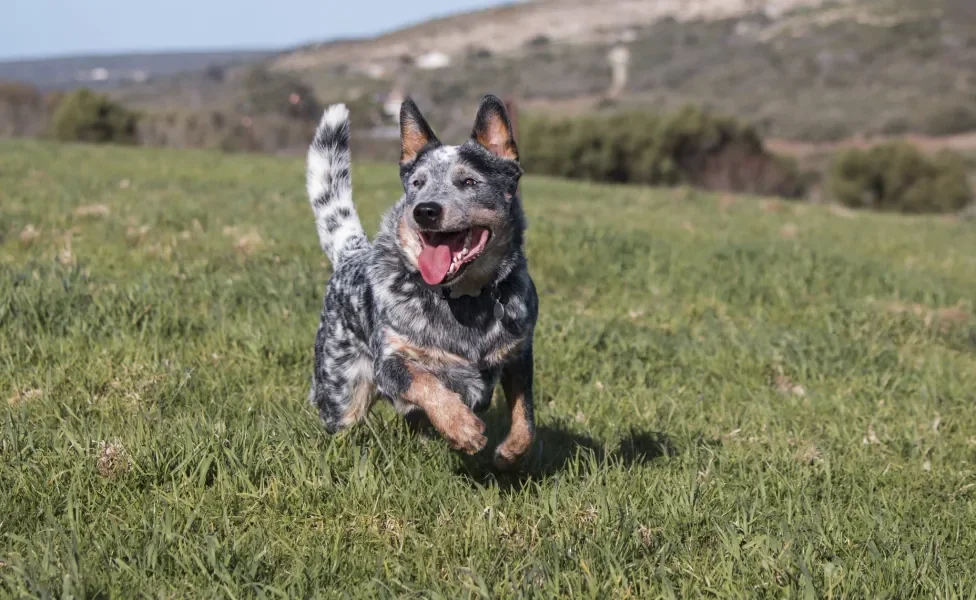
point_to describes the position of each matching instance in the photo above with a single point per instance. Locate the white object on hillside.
(393, 102)
(374, 70)
(619, 59)
(433, 60)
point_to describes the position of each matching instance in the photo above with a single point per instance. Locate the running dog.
(440, 306)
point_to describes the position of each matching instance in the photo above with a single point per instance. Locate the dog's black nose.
(427, 214)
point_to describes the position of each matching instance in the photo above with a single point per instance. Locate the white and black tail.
(330, 186)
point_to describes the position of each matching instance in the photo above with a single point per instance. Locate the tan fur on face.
(409, 241)
(486, 217)
(497, 138)
(519, 439)
(455, 421)
(481, 271)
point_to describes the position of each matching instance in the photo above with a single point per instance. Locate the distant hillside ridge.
(109, 70)
(507, 28)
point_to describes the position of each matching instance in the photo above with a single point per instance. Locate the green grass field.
(736, 398)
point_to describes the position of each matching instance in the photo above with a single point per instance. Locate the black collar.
(492, 290)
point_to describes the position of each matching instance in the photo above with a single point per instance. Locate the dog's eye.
(469, 182)
(417, 183)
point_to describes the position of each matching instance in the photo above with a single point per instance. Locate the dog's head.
(462, 219)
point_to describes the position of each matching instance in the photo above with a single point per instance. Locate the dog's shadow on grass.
(558, 451)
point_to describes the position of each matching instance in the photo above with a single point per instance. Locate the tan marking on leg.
(421, 354)
(360, 402)
(451, 417)
(519, 439)
(362, 392)
(498, 356)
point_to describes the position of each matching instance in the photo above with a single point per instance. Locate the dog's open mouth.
(445, 254)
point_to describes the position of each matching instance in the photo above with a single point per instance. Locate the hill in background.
(800, 69)
(111, 70)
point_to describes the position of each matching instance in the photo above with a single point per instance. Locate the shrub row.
(87, 117)
(84, 116)
(689, 147)
(898, 177)
(81, 116)
(267, 133)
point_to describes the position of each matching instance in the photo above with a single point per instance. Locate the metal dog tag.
(499, 310)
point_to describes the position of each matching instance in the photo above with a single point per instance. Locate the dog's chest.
(457, 348)
(467, 329)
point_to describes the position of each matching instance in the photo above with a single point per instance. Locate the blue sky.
(38, 28)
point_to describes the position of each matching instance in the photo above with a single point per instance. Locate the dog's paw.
(508, 456)
(467, 434)
(505, 461)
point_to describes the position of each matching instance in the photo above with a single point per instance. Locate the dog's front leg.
(517, 384)
(408, 381)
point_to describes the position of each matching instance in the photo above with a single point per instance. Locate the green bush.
(84, 116)
(899, 177)
(689, 147)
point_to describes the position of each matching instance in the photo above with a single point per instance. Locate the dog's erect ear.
(415, 133)
(493, 130)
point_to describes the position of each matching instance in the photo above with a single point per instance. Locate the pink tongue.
(434, 261)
